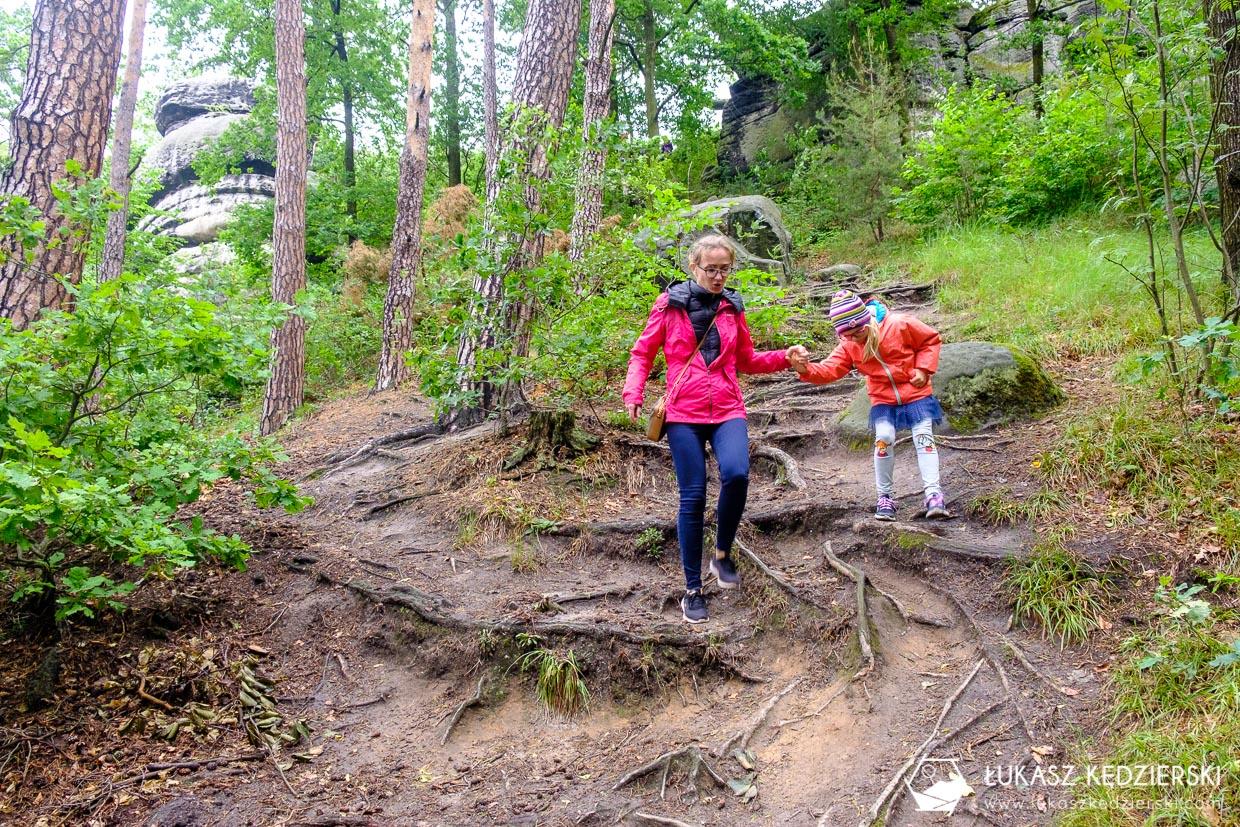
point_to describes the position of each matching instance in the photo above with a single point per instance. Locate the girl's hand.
(798, 358)
(919, 378)
(634, 412)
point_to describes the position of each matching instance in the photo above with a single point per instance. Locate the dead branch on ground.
(889, 794)
(110, 788)
(554, 601)
(697, 763)
(647, 818)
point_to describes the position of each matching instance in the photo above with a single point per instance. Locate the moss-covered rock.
(978, 383)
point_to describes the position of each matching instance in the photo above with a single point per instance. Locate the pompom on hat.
(848, 312)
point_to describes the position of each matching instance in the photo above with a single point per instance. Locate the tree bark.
(113, 259)
(544, 74)
(650, 43)
(452, 93)
(1036, 51)
(1221, 19)
(597, 104)
(407, 234)
(346, 99)
(286, 386)
(490, 109)
(63, 115)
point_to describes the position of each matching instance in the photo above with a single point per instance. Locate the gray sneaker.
(725, 572)
(693, 607)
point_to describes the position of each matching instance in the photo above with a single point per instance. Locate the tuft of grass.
(1002, 507)
(561, 686)
(523, 559)
(1059, 591)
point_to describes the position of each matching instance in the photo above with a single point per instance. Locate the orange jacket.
(904, 344)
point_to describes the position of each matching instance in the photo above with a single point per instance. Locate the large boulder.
(752, 222)
(191, 115)
(979, 384)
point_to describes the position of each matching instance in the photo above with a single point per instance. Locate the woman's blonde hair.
(714, 241)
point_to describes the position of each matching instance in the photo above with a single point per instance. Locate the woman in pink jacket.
(897, 355)
(704, 405)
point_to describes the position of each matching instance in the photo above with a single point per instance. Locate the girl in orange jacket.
(897, 354)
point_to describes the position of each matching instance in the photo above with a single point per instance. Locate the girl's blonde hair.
(714, 241)
(871, 340)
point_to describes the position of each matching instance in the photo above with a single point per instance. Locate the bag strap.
(701, 342)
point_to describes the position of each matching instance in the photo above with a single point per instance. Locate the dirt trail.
(378, 684)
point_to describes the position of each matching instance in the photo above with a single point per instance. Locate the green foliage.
(106, 432)
(1002, 506)
(650, 543)
(990, 158)
(851, 177)
(1059, 590)
(561, 686)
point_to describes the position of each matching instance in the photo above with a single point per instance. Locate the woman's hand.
(919, 378)
(634, 411)
(798, 357)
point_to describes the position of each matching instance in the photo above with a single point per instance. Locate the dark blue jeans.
(730, 441)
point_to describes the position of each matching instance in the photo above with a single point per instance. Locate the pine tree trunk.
(490, 108)
(407, 234)
(595, 109)
(1225, 90)
(63, 115)
(452, 93)
(544, 74)
(350, 159)
(286, 386)
(650, 43)
(1037, 50)
(112, 261)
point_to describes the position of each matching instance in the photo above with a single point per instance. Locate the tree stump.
(550, 436)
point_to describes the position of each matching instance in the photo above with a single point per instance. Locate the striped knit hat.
(848, 312)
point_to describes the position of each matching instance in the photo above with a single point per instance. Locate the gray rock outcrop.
(191, 115)
(979, 44)
(753, 223)
(979, 384)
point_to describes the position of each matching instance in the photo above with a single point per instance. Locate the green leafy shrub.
(106, 431)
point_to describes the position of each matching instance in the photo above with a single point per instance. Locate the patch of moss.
(909, 541)
(999, 394)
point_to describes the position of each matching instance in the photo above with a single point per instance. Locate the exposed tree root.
(697, 762)
(473, 700)
(153, 771)
(783, 460)
(918, 537)
(1008, 644)
(850, 571)
(889, 794)
(647, 818)
(376, 510)
(779, 580)
(741, 739)
(863, 615)
(347, 458)
(554, 602)
(432, 609)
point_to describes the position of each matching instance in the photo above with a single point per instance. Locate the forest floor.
(381, 628)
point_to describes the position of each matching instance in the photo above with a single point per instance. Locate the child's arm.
(925, 343)
(836, 366)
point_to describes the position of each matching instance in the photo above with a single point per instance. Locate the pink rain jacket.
(904, 344)
(706, 394)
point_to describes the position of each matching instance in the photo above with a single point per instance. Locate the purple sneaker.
(886, 510)
(935, 510)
